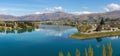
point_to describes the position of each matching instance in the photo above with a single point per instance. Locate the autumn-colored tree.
(68, 54)
(103, 51)
(60, 53)
(86, 53)
(84, 28)
(109, 53)
(77, 52)
(90, 51)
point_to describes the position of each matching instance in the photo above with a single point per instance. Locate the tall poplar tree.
(90, 51)
(109, 53)
(86, 53)
(68, 54)
(60, 53)
(77, 52)
(103, 51)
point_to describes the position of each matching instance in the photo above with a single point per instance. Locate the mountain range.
(61, 16)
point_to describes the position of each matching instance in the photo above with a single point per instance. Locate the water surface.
(48, 40)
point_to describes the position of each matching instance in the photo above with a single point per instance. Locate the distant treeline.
(12, 25)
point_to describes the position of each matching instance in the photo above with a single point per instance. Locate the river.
(48, 40)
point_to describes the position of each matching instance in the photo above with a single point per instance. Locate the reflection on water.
(40, 34)
(18, 31)
(48, 41)
(114, 37)
(55, 27)
(47, 28)
(99, 39)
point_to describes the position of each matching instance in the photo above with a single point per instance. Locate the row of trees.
(89, 52)
(17, 25)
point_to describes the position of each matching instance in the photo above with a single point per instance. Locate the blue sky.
(23, 7)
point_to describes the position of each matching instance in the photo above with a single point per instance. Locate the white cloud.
(38, 12)
(83, 12)
(112, 7)
(59, 8)
(49, 10)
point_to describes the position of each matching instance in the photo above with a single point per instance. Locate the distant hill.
(7, 17)
(61, 16)
(48, 16)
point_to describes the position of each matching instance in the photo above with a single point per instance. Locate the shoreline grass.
(94, 35)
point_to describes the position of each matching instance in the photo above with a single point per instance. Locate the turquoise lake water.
(48, 40)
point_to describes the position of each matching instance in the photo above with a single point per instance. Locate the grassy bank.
(94, 35)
